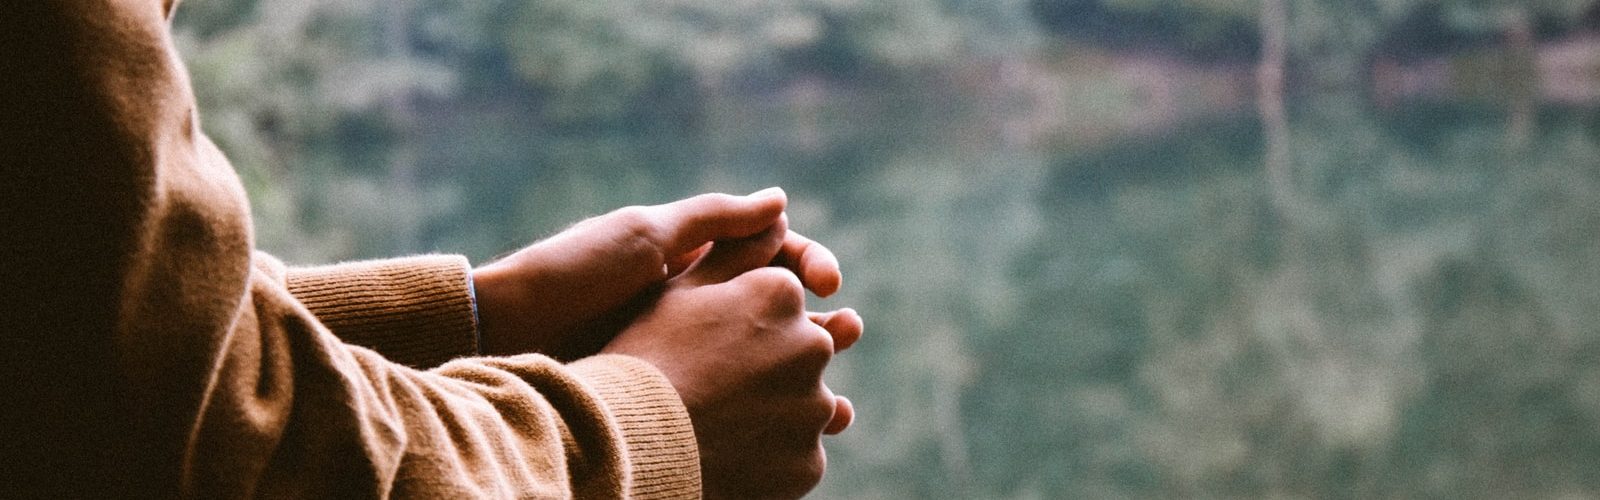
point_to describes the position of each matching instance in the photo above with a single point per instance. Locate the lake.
(1400, 304)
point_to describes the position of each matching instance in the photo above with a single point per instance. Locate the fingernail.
(768, 192)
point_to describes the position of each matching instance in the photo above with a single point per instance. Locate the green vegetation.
(1090, 265)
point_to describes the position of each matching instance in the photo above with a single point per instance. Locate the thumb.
(690, 223)
(730, 258)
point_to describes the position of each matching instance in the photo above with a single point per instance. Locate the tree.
(279, 83)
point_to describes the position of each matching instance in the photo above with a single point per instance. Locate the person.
(149, 351)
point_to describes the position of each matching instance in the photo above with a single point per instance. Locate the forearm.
(155, 357)
(342, 421)
(418, 311)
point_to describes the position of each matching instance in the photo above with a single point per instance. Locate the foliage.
(1145, 309)
(601, 56)
(291, 86)
(1330, 39)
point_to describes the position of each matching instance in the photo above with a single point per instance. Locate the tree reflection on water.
(1095, 258)
(1408, 316)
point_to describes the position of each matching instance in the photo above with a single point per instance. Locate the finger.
(687, 224)
(845, 325)
(728, 259)
(844, 412)
(816, 266)
(678, 263)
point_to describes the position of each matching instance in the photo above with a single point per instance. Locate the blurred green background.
(1105, 248)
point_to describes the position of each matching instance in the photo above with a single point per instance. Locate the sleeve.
(417, 311)
(154, 352)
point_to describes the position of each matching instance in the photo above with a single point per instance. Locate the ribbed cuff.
(414, 310)
(662, 454)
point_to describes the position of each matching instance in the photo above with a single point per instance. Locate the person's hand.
(747, 361)
(567, 295)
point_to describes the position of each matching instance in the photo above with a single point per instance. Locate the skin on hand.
(568, 295)
(747, 359)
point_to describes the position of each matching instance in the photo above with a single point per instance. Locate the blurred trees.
(328, 88)
(600, 57)
(334, 86)
(1348, 303)
(1203, 29)
(1395, 334)
(1330, 40)
(304, 96)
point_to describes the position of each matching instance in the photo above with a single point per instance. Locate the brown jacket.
(147, 351)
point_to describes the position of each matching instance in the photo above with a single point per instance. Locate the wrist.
(477, 319)
(501, 307)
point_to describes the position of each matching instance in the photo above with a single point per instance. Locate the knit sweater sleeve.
(417, 311)
(149, 351)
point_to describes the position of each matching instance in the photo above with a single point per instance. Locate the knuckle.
(634, 219)
(637, 228)
(821, 407)
(801, 472)
(817, 346)
(779, 284)
(784, 284)
(811, 468)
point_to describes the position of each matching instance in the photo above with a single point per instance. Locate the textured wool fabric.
(412, 310)
(148, 351)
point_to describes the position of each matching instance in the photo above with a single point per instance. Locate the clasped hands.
(710, 290)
